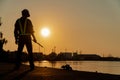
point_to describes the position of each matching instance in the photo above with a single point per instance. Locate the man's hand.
(16, 41)
(35, 40)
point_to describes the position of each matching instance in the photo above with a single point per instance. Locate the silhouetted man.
(23, 32)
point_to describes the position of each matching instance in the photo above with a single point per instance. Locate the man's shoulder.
(17, 19)
(28, 20)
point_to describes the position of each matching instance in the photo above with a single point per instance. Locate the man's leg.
(18, 55)
(29, 49)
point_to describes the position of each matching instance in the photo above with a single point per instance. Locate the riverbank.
(44, 73)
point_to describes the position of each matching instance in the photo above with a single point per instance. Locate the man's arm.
(31, 30)
(16, 35)
(34, 39)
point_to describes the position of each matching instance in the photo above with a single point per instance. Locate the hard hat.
(25, 13)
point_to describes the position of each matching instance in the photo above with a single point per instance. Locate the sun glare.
(45, 32)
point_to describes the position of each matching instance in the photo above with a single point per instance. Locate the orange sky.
(90, 26)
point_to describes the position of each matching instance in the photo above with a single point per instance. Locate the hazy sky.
(90, 26)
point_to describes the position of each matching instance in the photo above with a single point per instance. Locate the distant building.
(89, 57)
(66, 55)
(38, 55)
(75, 54)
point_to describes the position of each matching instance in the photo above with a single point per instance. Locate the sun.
(45, 32)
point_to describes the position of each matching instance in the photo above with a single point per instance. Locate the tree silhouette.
(3, 41)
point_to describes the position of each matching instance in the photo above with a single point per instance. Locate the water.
(111, 67)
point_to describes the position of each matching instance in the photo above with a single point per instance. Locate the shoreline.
(89, 66)
(45, 73)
